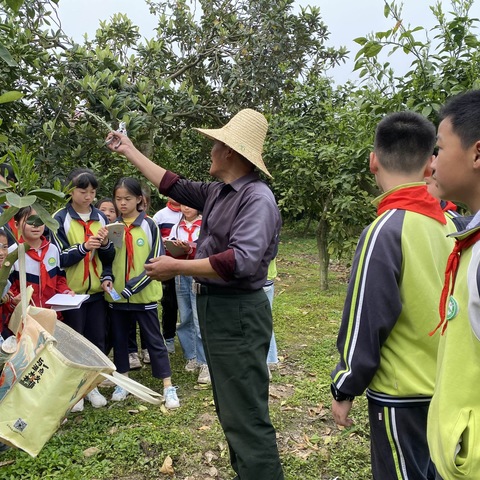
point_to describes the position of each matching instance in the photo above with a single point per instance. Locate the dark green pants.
(236, 332)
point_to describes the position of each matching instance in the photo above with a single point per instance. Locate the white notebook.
(116, 232)
(64, 301)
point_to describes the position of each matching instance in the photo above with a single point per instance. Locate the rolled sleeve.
(224, 264)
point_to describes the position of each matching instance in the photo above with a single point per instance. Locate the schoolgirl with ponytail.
(133, 295)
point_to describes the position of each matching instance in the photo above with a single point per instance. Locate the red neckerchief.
(414, 199)
(449, 206)
(129, 247)
(173, 207)
(13, 228)
(196, 224)
(86, 260)
(451, 274)
(45, 279)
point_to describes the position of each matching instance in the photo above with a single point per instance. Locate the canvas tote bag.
(51, 370)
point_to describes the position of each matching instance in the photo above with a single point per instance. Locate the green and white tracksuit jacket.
(392, 302)
(453, 428)
(139, 292)
(70, 240)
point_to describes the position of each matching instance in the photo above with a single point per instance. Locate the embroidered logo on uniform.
(140, 242)
(452, 308)
(52, 262)
(20, 425)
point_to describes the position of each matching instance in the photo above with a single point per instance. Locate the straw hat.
(245, 133)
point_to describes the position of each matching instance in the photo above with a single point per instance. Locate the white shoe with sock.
(96, 398)
(119, 394)
(78, 407)
(170, 397)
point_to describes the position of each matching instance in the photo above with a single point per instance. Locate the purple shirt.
(240, 226)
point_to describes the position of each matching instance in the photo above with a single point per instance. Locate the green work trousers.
(236, 331)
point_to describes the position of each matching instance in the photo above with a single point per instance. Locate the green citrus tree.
(318, 153)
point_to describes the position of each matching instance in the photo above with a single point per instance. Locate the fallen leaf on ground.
(209, 456)
(319, 411)
(201, 387)
(167, 466)
(90, 452)
(213, 472)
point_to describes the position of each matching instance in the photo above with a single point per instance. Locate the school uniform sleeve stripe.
(367, 318)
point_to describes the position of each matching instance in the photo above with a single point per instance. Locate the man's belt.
(200, 289)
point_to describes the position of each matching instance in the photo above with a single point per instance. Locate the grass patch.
(131, 443)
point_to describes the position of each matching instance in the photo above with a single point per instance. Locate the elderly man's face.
(220, 162)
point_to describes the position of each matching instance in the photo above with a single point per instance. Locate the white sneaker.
(170, 397)
(78, 407)
(145, 356)
(192, 365)
(119, 394)
(204, 375)
(134, 361)
(96, 398)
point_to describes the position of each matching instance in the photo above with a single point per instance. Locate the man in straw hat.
(239, 237)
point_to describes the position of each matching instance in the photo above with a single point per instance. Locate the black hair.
(133, 186)
(83, 178)
(7, 172)
(404, 141)
(3, 233)
(104, 200)
(463, 111)
(22, 213)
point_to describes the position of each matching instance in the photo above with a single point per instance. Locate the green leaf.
(48, 194)
(34, 221)
(6, 57)
(372, 49)
(15, 5)
(8, 214)
(47, 219)
(386, 10)
(10, 96)
(471, 41)
(427, 110)
(360, 40)
(15, 200)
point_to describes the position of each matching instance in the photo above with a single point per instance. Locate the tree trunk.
(147, 146)
(324, 257)
(309, 222)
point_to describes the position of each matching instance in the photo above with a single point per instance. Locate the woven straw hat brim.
(245, 133)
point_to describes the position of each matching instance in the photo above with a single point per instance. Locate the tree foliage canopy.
(207, 60)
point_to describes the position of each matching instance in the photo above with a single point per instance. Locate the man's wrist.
(340, 396)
